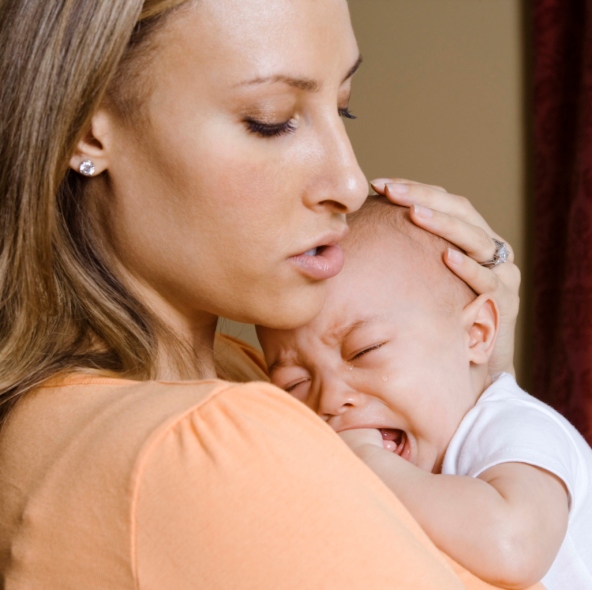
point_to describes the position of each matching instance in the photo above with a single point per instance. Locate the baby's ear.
(481, 320)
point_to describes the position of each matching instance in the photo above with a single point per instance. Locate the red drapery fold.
(563, 208)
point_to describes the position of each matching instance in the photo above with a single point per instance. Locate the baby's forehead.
(391, 247)
(382, 252)
(299, 347)
(388, 260)
(378, 283)
(383, 231)
(379, 221)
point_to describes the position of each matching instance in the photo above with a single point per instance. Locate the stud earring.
(87, 168)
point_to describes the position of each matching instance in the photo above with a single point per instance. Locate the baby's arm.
(506, 526)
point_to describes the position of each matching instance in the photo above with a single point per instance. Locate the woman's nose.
(339, 183)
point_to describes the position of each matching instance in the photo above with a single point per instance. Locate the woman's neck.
(181, 359)
(185, 341)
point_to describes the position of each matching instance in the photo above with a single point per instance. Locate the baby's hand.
(359, 438)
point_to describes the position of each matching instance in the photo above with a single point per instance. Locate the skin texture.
(384, 353)
(362, 361)
(204, 213)
(452, 217)
(202, 217)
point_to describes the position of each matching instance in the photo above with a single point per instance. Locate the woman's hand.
(455, 219)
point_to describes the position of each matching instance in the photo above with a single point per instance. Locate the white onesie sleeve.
(507, 425)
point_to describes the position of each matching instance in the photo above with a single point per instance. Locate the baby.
(396, 363)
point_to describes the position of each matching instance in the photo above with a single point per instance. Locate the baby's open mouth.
(395, 440)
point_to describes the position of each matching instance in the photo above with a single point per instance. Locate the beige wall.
(441, 98)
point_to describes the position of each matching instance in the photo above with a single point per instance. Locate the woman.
(164, 162)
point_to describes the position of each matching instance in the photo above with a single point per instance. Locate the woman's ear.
(481, 321)
(93, 147)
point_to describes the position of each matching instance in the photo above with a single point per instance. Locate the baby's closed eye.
(292, 387)
(366, 350)
(294, 380)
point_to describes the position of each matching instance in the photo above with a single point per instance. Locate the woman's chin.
(294, 311)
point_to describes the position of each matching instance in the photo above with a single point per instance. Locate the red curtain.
(563, 207)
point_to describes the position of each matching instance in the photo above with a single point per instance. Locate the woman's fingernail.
(379, 184)
(422, 211)
(397, 188)
(454, 256)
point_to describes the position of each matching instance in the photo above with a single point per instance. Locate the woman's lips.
(396, 441)
(320, 263)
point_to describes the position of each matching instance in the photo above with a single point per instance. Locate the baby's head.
(401, 344)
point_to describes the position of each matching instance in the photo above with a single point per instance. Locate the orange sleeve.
(252, 491)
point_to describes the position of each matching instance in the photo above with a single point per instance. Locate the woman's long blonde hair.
(61, 308)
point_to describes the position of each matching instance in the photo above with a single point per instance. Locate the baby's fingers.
(359, 437)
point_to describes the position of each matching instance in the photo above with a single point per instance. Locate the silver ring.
(500, 255)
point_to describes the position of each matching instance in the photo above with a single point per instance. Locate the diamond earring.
(87, 168)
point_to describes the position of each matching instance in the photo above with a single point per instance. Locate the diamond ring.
(500, 255)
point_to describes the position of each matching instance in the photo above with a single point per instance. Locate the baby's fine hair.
(378, 219)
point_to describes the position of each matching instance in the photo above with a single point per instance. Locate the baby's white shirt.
(508, 425)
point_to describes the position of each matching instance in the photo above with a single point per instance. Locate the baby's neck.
(480, 380)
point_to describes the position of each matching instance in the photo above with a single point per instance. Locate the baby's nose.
(336, 399)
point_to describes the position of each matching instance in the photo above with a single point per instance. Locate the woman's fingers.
(476, 241)
(504, 281)
(379, 184)
(450, 216)
(455, 219)
(409, 193)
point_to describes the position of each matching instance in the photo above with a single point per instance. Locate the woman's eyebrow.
(306, 84)
(354, 68)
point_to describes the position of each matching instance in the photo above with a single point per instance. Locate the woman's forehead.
(258, 39)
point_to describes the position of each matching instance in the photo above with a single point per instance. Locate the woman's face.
(242, 164)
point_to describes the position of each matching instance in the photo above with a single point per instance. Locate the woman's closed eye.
(346, 113)
(270, 129)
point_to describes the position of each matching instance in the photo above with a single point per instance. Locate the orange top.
(108, 483)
